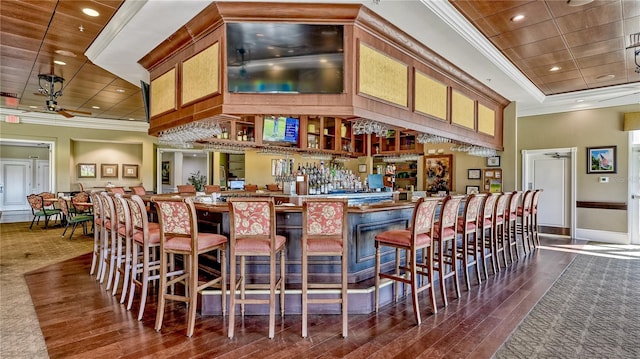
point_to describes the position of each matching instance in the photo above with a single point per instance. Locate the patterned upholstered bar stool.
(109, 240)
(418, 274)
(324, 234)
(145, 262)
(469, 250)
(253, 233)
(487, 243)
(98, 234)
(499, 235)
(122, 253)
(445, 250)
(534, 218)
(523, 221)
(511, 219)
(179, 236)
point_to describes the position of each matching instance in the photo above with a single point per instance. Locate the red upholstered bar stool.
(253, 233)
(417, 274)
(145, 262)
(123, 245)
(110, 241)
(535, 237)
(499, 235)
(523, 221)
(469, 251)
(511, 220)
(98, 223)
(487, 247)
(324, 233)
(179, 236)
(445, 247)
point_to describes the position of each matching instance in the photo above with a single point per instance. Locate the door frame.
(526, 172)
(633, 209)
(52, 156)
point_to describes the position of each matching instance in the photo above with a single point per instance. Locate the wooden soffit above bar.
(372, 47)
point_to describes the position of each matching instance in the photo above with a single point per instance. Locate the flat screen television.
(285, 58)
(236, 184)
(281, 130)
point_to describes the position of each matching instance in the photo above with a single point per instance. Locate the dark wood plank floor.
(80, 319)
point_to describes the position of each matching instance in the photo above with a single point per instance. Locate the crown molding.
(46, 119)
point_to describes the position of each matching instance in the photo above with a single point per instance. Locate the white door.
(634, 189)
(15, 184)
(551, 171)
(43, 180)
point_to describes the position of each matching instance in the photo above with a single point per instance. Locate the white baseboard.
(602, 236)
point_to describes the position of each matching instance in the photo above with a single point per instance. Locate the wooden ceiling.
(587, 43)
(586, 40)
(34, 34)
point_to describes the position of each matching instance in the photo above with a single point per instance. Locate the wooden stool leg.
(232, 292)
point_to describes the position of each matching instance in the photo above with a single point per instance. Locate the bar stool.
(523, 221)
(498, 228)
(179, 235)
(98, 222)
(109, 242)
(445, 250)
(534, 218)
(487, 247)
(252, 226)
(324, 233)
(511, 219)
(145, 266)
(469, 250)
(418, 237)
(122, 252)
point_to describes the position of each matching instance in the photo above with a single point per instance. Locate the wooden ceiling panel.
(566, 85)
(598, 48)
(525, 35)
(500, 23)
(595, 34)
(560, 76)
(562, 8)
(596, 16)
(538, 48)
(630, 8)
(479, 9)
(609, 58)
(548, 59)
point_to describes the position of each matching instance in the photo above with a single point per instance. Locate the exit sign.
(12, 119)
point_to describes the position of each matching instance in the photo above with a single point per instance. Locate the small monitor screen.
(281, 129)
(375, 181)
(236, 184)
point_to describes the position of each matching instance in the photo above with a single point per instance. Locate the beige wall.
(108, 140)
(9, 151)
(581, 129)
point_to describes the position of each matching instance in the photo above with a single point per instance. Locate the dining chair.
(186, 189)
(116, 190)
(138, 190)
(324, 234)
(534, 218)
(79, 204)
(498, 228)
(523, 221)
(145, 262)
(179, 236)
(211, 188)
(511, 219)
(487, 244)
(444, 239)
(418, 274)
(38, 209)
(250, 187)
(72, 219)
(252, 226)
(469, 250)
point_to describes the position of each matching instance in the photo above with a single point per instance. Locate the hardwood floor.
(80, 319)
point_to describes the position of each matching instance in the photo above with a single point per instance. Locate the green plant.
(198, 180)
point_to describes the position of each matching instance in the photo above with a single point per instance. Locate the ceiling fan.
(49, 87)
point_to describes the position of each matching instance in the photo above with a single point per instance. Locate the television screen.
(281, 129)
(375, 181)
(236, 184)
(285, 58)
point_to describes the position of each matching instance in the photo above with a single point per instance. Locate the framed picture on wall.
(129, 171)
(601, 159)
(362, 168)
(493, 161)
(86, 170)
(473, 189)
(109, 170)
(474, 173)
(166, 172)
(438, 175)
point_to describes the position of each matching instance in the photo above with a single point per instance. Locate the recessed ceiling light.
(259, 35)
(33, 106)
(323, 60)
(578, 2)
(555, 68)
(605, 77)
(131, 119)
(120, 90)
(96, 107)
(58, 62)
(517, 18)
(579, 100)
(65, 53)
(90, 12)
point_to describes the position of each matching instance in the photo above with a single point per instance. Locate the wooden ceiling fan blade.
(64, 113)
